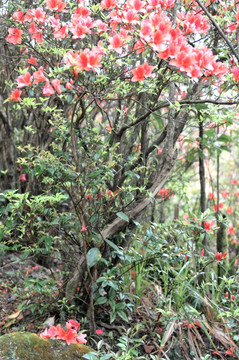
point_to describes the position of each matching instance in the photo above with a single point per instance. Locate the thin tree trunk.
(202, 177)
(222, 247)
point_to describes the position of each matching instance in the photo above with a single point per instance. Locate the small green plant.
(127, 345)
(109, 290)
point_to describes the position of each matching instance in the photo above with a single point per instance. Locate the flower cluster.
(165, 193)
(69, 335)
(208, 225)
(219, 256)
(133, 25)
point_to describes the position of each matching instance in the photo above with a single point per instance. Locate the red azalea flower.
(215, 207)
(229, 210)
(24, 80)
(32, 60)
(69, 84)
(39, 76)
(225, 193)
(73, 323)
(211, 196)
(208, 225)
(235, 72)
(165, 193)
(230, 351)
(60, 333)
(218, 256)
(22, 177)
(57, 85)
(48, 89)
(197, 323)
(70, 336)
(231, 230)
(14, 36)
(15, 95)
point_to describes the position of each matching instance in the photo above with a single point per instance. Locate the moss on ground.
(27, 346)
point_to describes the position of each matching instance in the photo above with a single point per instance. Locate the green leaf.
(159, 120)
(224, 138)
(201, 106)
(47, 241)
(122, 216)
(111, 293)
(120, 306)
(25, 254)
(93, 256)
(101, 300)
(106, 357)
(112, 304)
(122, 315)
(112, 245)
(112, 317)
(210, 133)
(90, 356)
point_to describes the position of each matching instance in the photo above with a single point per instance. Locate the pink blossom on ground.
(81, 339)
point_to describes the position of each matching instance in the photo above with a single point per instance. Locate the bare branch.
(167, 104)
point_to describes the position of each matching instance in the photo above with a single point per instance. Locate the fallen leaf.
(14, 315)
(50, 321)
(9, 323)
(148, 348)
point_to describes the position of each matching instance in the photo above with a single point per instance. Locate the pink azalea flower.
(116, 43)
(45, 334)
(32, 60)
(48, 89)
(74, 324)
(57, 85)
(39, 76)
(81, 339)
(14, 36)
(22, 177)
(48, 333)
(99, 332)
(24, 80)
(69, 84)
(70, 336)
(60, 333)
(61, 33)
(57, 5)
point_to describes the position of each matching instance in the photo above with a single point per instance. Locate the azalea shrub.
(103, 92)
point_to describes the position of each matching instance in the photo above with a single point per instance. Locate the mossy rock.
(27, 346)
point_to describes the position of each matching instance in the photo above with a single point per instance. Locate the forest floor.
(28, 293)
